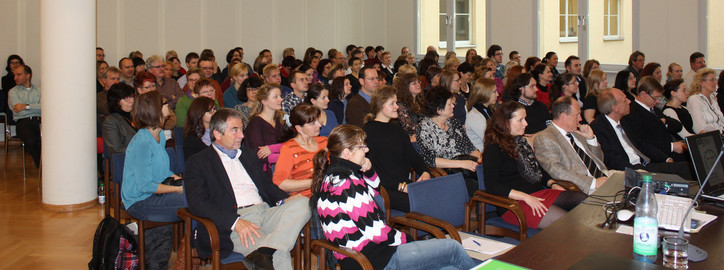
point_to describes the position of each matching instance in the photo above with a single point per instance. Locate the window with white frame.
(569, 20)
(611, 23)
(462, 22)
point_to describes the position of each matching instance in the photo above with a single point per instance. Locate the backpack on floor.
(114, 247)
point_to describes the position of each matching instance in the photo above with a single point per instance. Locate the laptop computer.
(704, 149)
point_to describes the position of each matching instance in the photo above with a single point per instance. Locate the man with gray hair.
(568, 150)
(619, 152)
(168, 87)
(254, 217)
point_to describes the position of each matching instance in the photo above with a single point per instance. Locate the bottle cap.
(647, 178)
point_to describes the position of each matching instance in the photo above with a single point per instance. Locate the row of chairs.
(437, 208)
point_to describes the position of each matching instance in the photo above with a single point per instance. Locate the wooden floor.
(31, 238)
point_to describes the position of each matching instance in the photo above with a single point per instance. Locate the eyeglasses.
(573, 83)
(153, 86)
(159, 66)
(362, 147)
(206, 92)
(657, 99)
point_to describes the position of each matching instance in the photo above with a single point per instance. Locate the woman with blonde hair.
(702, 103)
(674, 72)
(597, 82)
(238, 73)
(451, 64)
(266, 125)
(483, 97)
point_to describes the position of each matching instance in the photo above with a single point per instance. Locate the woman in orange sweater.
(294, 168)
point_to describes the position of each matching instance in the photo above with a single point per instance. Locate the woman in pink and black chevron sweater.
(344, 186)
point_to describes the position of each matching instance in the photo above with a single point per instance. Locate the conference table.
(576, 235)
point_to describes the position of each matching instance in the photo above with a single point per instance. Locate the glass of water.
(675, 252)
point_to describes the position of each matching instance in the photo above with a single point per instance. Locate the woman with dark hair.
(138, 64)
(293, 171)
(8, 81)
(442, 139)
(247, 95)
(266, 125)
(483, 97)
(339, 90)
(318, 96)
(197, 136)
(450, 80)
(531, 62)
(565, 84)
(511, 170)
(146, 166)
(432, 76)
(626, 82)
(355, 65)
(118, 128)
(551, 59)
(652, 69)
(543, 76)
(390, 149)
(676, 93)
(323, 69)
(425, 65)
(344, 185)
(410, 101)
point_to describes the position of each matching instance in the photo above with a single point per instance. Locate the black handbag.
(467, 174)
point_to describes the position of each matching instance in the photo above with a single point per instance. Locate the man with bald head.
(618, 150)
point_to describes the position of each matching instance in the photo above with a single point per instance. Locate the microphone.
(697, 254)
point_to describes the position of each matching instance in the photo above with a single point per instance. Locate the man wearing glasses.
(206, 64)
(649, 129)
(496, 52)
(166, 86)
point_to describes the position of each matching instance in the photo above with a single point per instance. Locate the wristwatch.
(27, 106)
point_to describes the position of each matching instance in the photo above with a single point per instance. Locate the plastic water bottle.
(101, 194)
(646, 227)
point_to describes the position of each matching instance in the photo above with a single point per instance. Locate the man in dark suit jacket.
(253, 216)
(618, 151)
(359, 105)
(648, 128)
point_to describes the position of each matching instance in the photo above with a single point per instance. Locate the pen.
(476, 242)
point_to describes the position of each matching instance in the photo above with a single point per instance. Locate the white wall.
(153, 27)
(669, 31)
(511, 27)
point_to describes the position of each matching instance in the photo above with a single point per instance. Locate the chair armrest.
(445, 226)
(483, 197)
(214, 239)
(324, 244)
(414, 224)
(568, 185)
(436, 172)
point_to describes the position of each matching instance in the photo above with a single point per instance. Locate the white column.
(68, 38)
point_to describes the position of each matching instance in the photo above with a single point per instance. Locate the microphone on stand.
(697, 254)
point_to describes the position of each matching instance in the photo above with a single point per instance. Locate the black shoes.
(260, 261)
